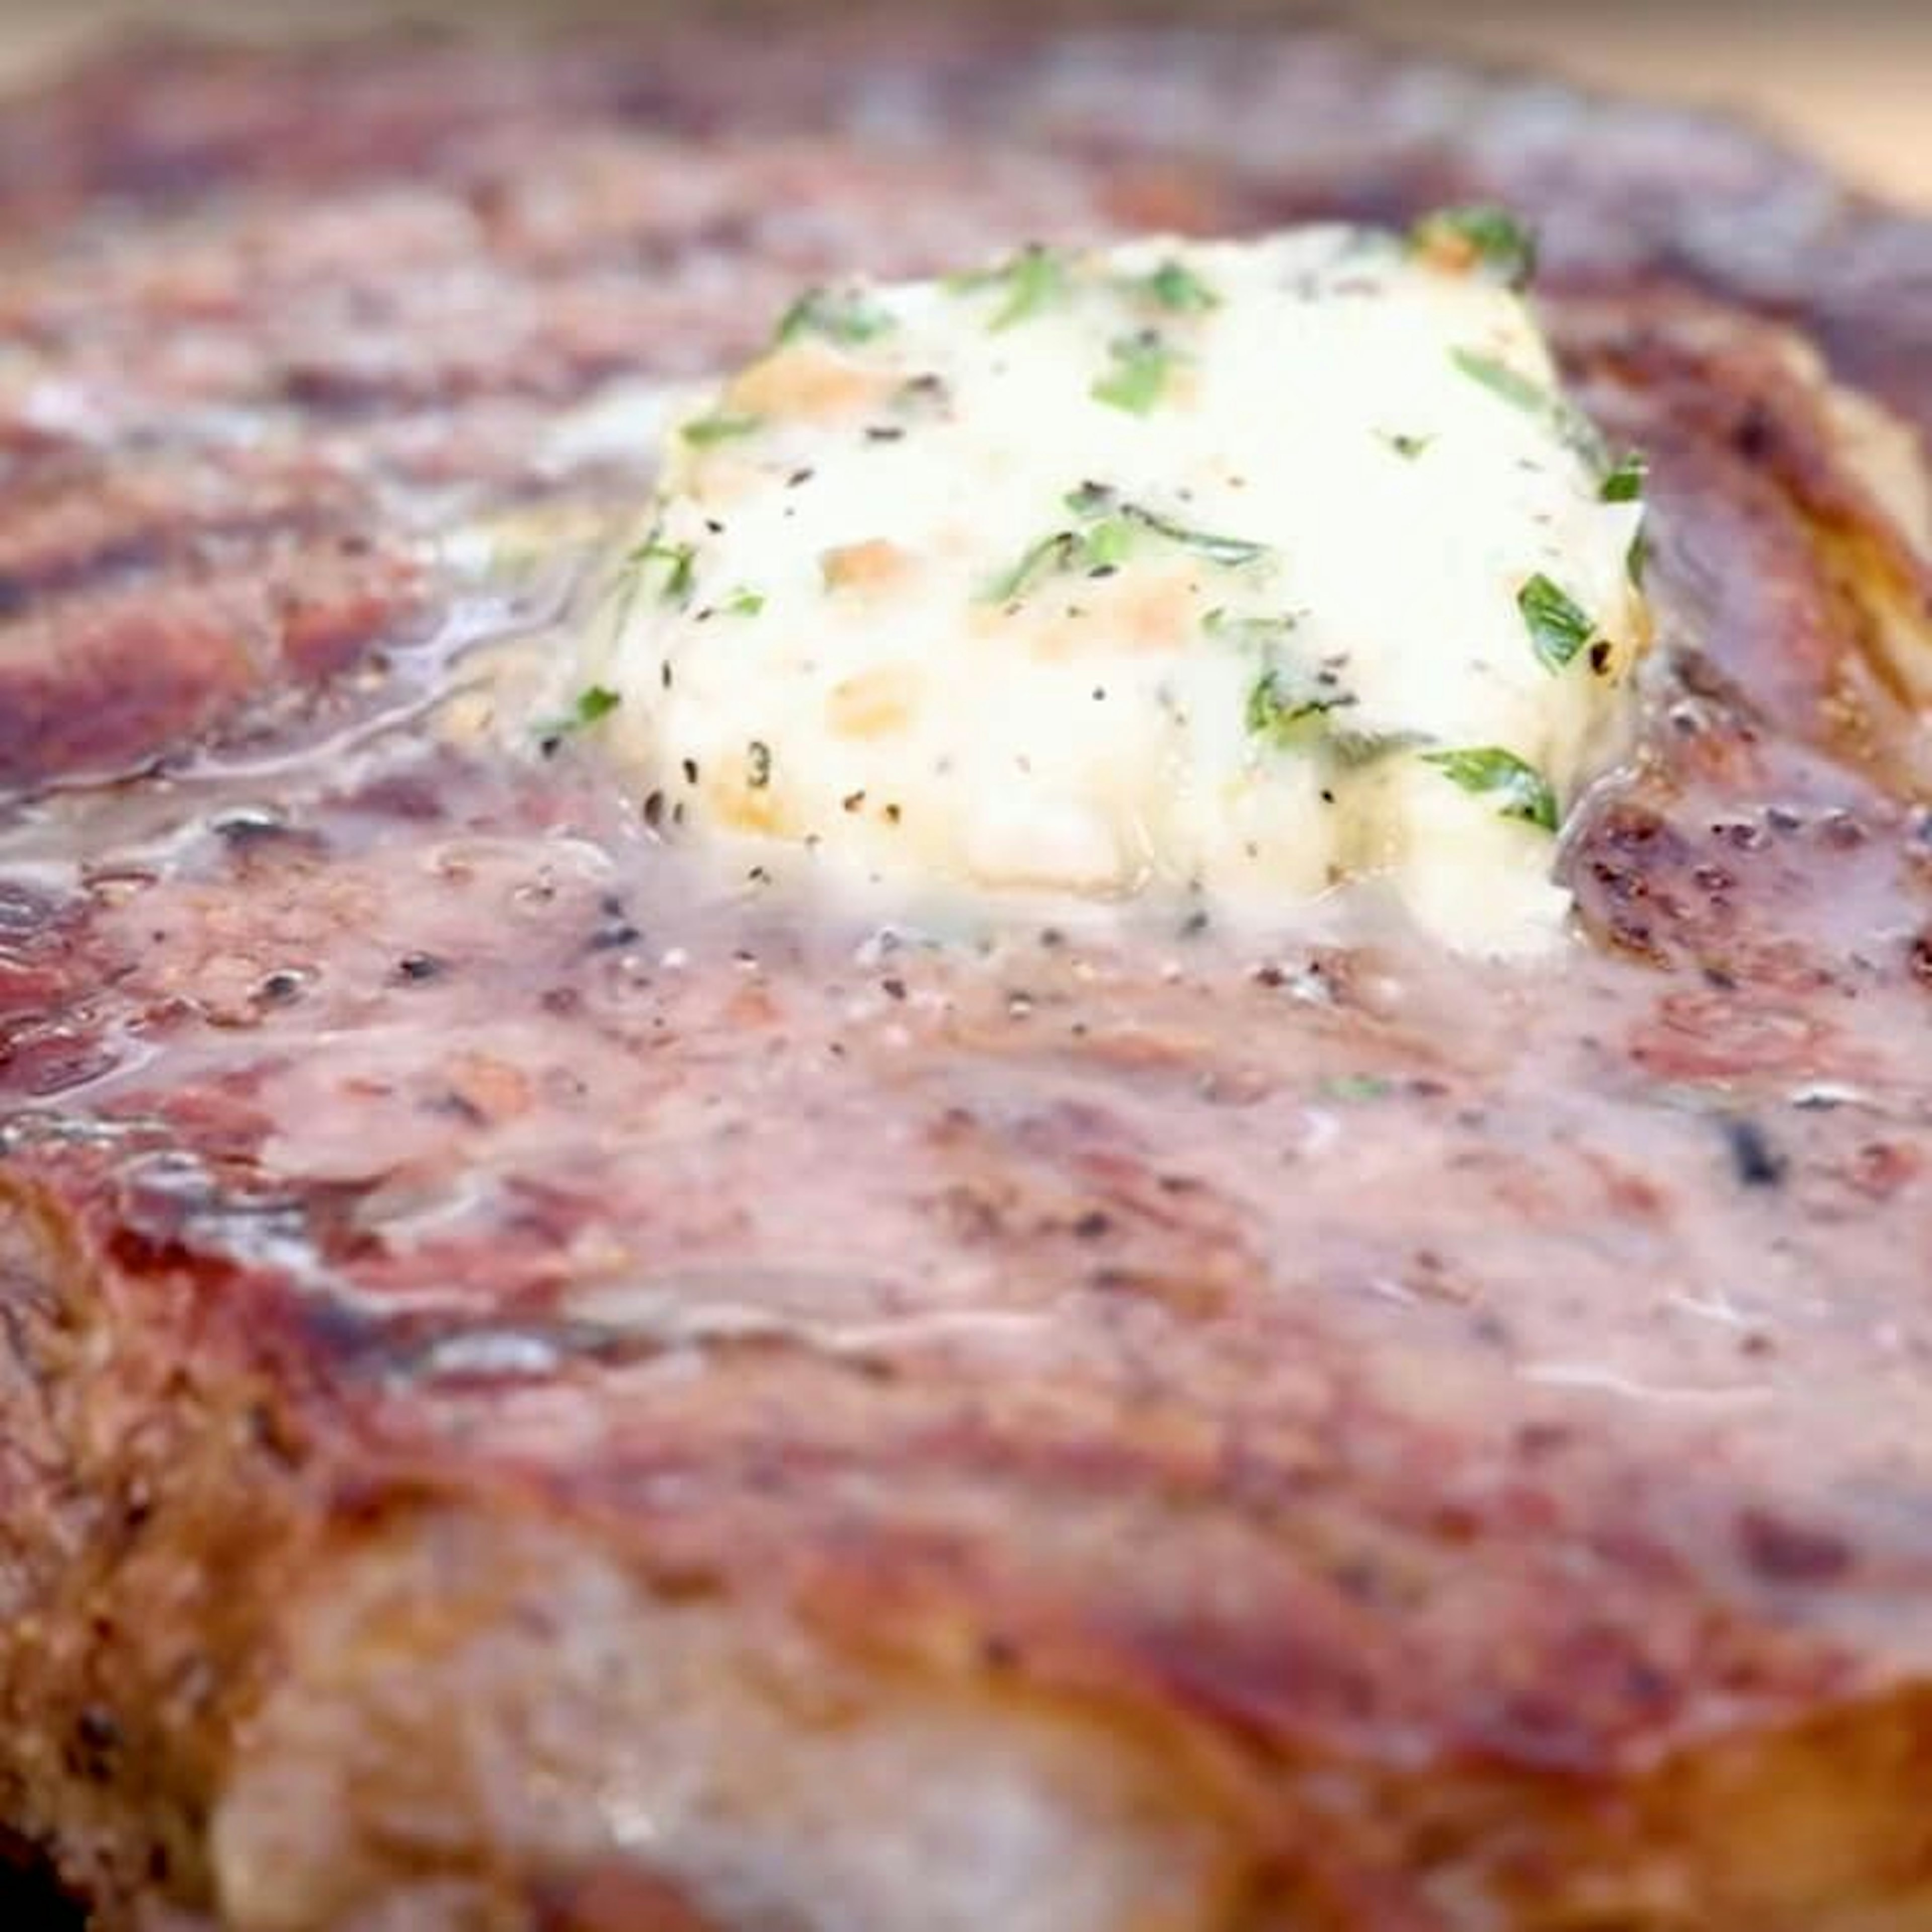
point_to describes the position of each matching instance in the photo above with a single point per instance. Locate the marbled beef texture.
(540, 1391)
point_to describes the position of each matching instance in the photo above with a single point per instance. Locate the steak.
(538, 1389)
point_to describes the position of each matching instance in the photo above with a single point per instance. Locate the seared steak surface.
(541, 1389)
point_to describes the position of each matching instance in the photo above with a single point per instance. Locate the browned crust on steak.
(1236, 1508)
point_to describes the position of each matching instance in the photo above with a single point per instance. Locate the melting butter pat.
(1229, 570)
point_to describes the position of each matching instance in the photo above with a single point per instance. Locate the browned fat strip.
(503, 1337)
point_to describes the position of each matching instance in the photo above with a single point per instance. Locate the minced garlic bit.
(1233, 569)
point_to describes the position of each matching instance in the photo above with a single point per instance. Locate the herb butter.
(1233, 570)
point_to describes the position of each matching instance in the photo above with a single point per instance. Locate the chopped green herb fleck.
(1176, 286)
(1142, 363)
(758, 764)
(849, 318)
(1263, 631)
(594, 702)
(1230, 551)
(1093, 500)
(1281, 703)
(1409, 446)
(1625, 483)
(1033, 280)
(1493, 236)
(1048, 557)
(1500, 380)
(703, 431)
(1577, 433)
(1358, 1086)
(1104, 546)
(743, 603)
(1519, 790)
(1354, 749)
(1558, 627)
(680, 561)
(1111, 527)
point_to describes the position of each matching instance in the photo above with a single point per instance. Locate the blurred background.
(1852, 81)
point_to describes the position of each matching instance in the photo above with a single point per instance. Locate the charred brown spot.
(1918, 958)
(1783, 1551)
(1880, 1169)
(97, 1739)
(1627, 861)
(1754, 435)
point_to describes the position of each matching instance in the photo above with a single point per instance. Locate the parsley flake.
(1096, 499)
(1176, 287)
(1033, 280)
(849, 318)
(703, 431)
(1520, 791)
(1142, 363)
(1357, 1087)
(1262, 631)
(1111, 528)
(1091, 499)
(743, 603)
(1625, 481)
(1282, 702)
(679, 560)
(594, 703)
(1048, 557)
(1500, 379)
(1409, 446)
(757, 764)
(1233, 551)
(1559, 626)
(1577, 433)
(1355, 748)
(1104, 547)
(1491, 238)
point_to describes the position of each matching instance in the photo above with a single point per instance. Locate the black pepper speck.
(1756, 1162)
